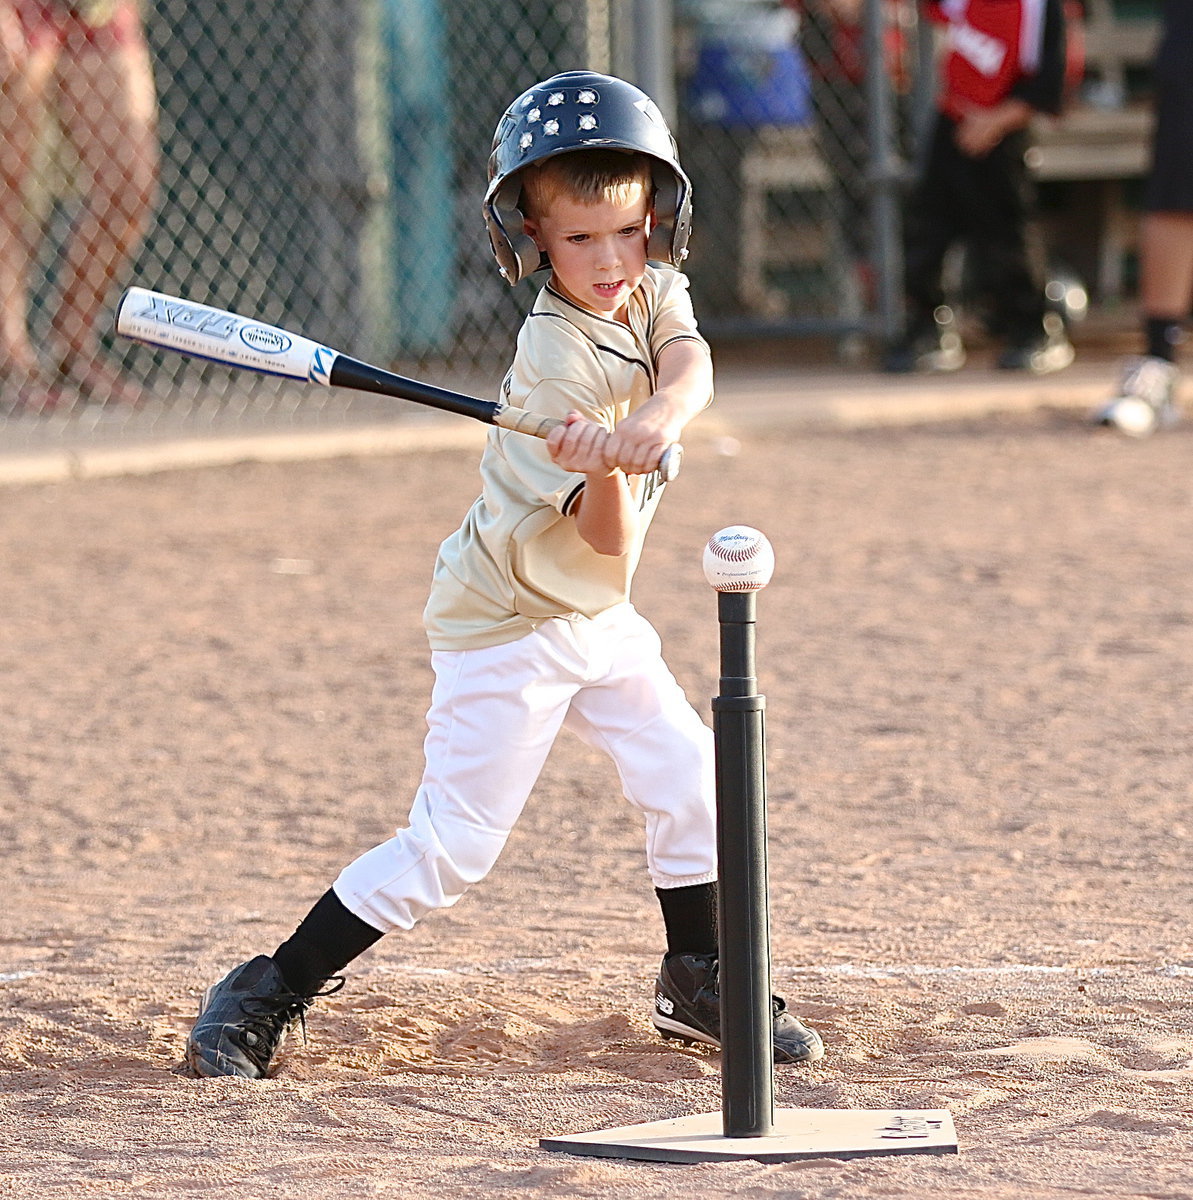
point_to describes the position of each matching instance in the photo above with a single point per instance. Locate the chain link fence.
(786, 132)
(320, 167)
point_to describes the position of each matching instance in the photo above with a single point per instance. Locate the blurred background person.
(1003, 62)
(84, 67)
(1145, 399)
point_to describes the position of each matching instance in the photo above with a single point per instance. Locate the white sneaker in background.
(1145, 399)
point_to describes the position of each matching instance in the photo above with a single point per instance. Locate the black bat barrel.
(352, 373)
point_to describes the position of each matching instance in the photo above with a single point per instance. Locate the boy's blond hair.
(588, 176)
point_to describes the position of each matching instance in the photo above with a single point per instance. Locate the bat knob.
(670, 462)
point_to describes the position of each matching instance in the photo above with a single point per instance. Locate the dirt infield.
(977, 653)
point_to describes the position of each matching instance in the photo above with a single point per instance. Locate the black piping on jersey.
(570, 503)
(652, 482)
(631, 359)
(679, 337)
(637, 362)
(588, 312)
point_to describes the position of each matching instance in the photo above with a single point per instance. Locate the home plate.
(798, 1133)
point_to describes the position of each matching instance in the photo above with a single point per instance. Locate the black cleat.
(687, 1007)
(1040, 351)
(931, 344)
(243, 1020)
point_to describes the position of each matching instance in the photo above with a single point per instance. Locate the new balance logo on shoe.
(687, 1007)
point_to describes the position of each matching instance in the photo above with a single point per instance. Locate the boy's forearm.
(685, 382)
(605, 514)
(684, 388)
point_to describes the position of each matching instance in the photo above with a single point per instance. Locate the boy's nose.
(607, 255)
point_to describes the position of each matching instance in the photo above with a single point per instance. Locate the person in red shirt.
(1003, 62)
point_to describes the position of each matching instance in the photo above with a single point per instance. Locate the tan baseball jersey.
(517, 559)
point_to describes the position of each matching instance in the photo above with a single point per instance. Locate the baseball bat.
(171, 323)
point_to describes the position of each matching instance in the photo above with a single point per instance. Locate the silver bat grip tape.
(522, 420)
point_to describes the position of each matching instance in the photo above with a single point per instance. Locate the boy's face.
(598, 250)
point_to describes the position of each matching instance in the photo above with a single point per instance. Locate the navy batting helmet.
(581, 110)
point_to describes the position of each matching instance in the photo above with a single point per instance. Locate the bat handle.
(521, 420)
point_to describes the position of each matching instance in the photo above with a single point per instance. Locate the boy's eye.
(631, 230)
(577, 238)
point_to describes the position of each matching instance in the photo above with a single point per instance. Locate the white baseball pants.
(494, 715)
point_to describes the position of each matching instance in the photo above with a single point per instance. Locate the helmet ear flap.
(517, 255)
(669, 232)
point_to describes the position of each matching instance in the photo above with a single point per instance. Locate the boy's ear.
(530, 228)
(517, 253)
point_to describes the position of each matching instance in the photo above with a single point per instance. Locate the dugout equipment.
(582, 110)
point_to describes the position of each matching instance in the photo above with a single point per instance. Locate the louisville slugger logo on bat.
(171, 323)
(268, 341)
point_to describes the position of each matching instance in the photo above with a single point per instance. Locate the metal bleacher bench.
(785, 159)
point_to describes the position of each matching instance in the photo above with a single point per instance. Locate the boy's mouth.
(608, 289)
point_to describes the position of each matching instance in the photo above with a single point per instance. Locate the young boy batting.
(529, 617)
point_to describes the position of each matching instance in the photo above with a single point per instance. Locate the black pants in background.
(987, 204)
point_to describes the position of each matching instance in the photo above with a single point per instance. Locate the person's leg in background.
(1145, 399)
(931, 225)
(1166, 280)
(107, 108)
(1000, 200)
(26, 66)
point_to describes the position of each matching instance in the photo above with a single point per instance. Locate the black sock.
(1163, 335)
(690, 916)
(326, 941)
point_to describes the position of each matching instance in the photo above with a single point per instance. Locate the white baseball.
(738, 559)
